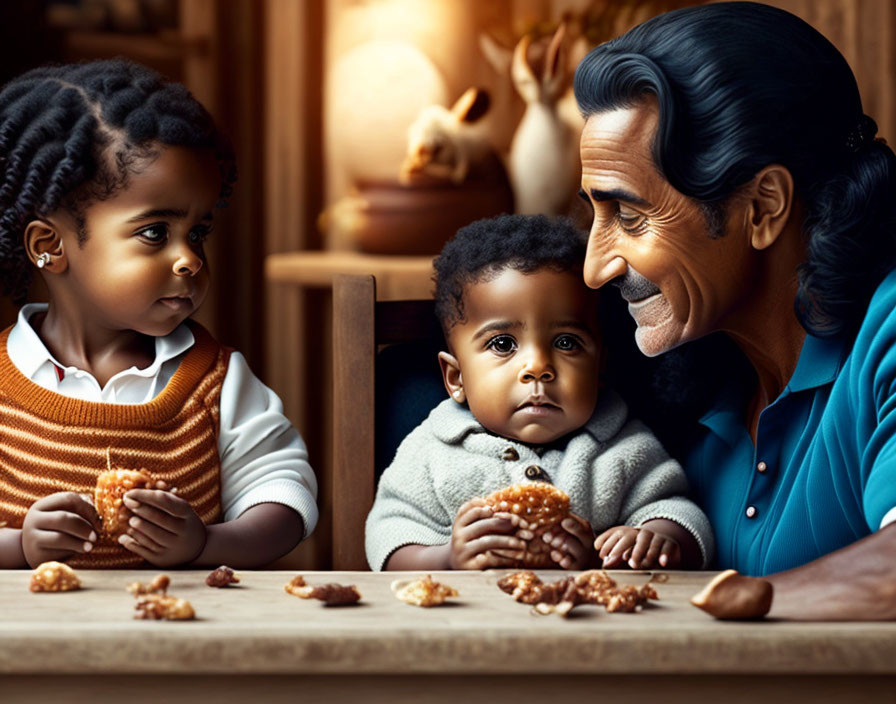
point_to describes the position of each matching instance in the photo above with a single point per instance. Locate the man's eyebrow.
(495, 326)
(165, 213)
(618, 194)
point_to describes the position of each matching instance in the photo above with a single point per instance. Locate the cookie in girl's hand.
(111, 486)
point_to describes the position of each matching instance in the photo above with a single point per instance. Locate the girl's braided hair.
(69, 136)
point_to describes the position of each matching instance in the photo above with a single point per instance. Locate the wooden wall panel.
(863, 31)
(292, 186)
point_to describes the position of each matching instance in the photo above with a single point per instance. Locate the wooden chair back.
(362, 327)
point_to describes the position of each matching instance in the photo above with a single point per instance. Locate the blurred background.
(366, 132)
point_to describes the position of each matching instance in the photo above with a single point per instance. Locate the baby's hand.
(58, 526)
(571, 543)
(164, 530)
(639, 547)
(481, 539)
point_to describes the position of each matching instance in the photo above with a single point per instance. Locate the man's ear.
(451, 375)
(770, 200)
(43, 242)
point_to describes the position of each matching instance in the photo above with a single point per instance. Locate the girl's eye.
(154, 234)
(633, 223)
(502, 344)
(199, 234)
(567, 343)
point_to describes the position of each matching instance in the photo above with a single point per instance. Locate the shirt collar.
(28, 352)
(821, 359)
(819, 363)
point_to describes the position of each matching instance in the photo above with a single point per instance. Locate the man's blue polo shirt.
(823, 471)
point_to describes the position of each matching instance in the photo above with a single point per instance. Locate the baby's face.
(528, 354)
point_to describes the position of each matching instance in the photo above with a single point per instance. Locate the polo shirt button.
(534, 472)
(510, 454)
(751, 512)
(761, 467)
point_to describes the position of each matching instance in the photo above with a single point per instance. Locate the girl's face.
(142, 266)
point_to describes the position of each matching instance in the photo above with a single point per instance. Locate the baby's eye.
(567, 343)
(154, 234)
(502, 344)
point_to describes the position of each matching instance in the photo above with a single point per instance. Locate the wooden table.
(255, 642)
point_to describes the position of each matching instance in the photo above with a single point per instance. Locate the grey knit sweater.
(614, 470)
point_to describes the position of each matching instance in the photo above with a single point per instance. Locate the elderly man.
(737, 186)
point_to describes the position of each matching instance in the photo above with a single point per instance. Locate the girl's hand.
(571, 543)
(639, 547)
(481, 539)
(58, 526)
(164, 530)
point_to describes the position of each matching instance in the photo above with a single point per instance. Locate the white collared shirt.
(263, 457)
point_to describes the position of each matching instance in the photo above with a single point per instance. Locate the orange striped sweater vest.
(50, 442)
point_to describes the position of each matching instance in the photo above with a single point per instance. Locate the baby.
(523, 373)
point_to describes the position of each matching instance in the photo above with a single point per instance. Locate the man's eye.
(633, 223)
(502, 344)
(567, 343)
(154, 234)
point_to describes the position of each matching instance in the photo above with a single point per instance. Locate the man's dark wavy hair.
(69, 136)
(486, 247)
(740, 86)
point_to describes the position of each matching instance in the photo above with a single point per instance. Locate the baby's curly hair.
(69, 136)
(486, 247)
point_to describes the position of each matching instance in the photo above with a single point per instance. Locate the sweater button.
(534, 472)
(510, 454)
(751, 512)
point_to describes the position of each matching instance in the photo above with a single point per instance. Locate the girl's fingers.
(145, 540)
(158, 536)
(70, 524)
(151, 514)
(55, 541)
(164, 501)
(129, 543)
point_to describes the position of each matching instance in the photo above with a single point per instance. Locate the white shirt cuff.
(889, 517)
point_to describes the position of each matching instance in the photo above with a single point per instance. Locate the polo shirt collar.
(820, 361)
(28, 352)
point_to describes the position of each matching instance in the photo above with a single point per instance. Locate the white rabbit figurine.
(543, 161)
(445, 144)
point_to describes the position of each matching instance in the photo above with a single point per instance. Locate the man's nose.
(602, 270)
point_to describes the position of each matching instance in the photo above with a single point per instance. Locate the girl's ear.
(43, 245)
(451, 375)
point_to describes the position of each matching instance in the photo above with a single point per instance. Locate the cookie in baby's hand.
(542, 506)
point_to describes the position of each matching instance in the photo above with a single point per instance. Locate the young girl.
(109, 182)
